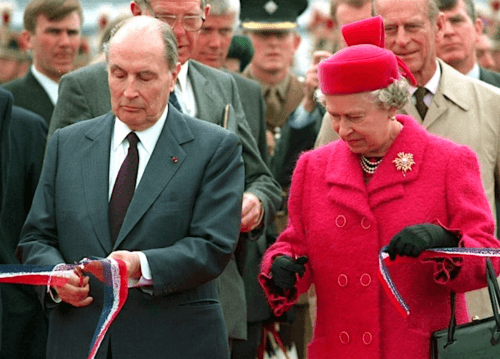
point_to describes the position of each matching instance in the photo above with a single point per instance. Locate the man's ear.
(478, 27)
(206, 11)
(135, 9)
(175, 73)
(296, 41)
(26, 37)
(439, 26)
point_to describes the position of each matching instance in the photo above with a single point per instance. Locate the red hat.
(365, 65)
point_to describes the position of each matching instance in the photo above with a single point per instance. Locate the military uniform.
(281, 100)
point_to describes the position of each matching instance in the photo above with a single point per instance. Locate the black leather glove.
(284, 269)
(412, 240)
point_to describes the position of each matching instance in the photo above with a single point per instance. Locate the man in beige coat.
(461, 109)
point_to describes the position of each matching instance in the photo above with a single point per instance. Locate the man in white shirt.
(151, 186)
(52, 33)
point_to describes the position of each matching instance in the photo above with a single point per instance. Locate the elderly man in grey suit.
(211, 49)
(151, 186)
(445, 102)
(202, 92)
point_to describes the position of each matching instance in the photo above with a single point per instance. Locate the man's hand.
(132, 261)
(312, 84)
(251, 212)
(76, 291)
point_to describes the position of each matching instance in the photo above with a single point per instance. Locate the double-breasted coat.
(340, 223)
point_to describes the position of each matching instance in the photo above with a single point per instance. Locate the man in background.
(271, 27)
(212, 49)
(457, 47)
(22, 145)
(52, 33)
(236, 293)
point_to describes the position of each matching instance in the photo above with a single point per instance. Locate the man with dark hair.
(22, 145)
(52, 33)
(151, 186)
(457, 46)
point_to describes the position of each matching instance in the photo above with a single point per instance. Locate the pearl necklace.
(369, 166)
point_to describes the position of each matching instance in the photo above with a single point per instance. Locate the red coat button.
(365, 223)
(342, 280)
(367, 338)
(344, 337)
(365, 280)
(340, 221)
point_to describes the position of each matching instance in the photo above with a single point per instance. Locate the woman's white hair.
(395, 95)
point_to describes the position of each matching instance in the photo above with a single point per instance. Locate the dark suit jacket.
(492, 78)
(22, 145)
(85, 94)
(30, 95)
(184, 216)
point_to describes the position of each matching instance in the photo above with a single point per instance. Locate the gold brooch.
(403, 162)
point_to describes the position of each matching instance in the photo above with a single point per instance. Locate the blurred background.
(313, 23)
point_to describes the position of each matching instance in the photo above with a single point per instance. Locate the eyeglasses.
(189, 22)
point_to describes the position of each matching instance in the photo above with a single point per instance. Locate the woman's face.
(365, 128)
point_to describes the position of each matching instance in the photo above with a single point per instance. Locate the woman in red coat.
(387, 182)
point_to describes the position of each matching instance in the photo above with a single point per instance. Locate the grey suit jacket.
(184, 216)
(85, 94)
(30, 95)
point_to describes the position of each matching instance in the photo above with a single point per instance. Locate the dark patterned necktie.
(124, 188)
(174, 101)
(420, 104)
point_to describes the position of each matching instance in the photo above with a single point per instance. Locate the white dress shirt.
(51, 87)
(118, 152)
(432, 86)
(184, 91)
(474, 72)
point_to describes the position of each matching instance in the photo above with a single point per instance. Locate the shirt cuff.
(146, 278)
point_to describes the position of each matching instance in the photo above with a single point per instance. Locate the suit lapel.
(44, 104)
(205, 95)
(96, 178)
(167, 157)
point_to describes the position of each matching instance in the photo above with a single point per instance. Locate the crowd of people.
(243, 197)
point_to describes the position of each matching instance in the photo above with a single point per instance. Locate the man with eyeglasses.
(202, 92)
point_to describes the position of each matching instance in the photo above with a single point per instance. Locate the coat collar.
(453, 87)
(158, 173)
(204, 92)
(345, 175)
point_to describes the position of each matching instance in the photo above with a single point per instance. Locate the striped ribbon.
(112, 272)
(389, 285)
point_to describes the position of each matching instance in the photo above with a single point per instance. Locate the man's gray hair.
(166, 33)
(432, 10)
(395, 95)
(470, 8)
(203, 4)
(224, 7)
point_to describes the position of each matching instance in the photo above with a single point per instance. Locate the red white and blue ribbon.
(112, 272)
(389, 285)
